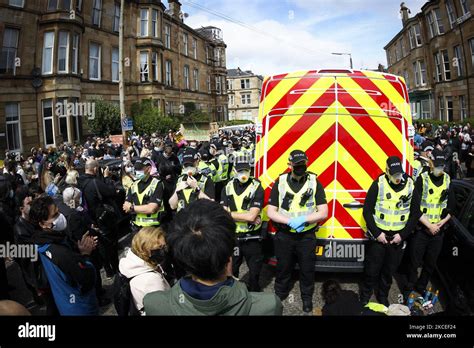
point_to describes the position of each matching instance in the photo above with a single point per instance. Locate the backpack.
(123, 299)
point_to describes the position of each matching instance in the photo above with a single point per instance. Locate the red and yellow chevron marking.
(347, 123)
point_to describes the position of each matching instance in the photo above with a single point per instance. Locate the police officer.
(297, 204)
(425, 246)
(206, 167)
(243, 198)
(221, 164)
(422, 160)
(145, 197)
(192, 185)
(391, 211)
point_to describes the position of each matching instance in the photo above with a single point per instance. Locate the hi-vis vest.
(222, 173)
(242, 202)
(188, 195)
(392, 209)
(293, 204)
(144, 220)
(207, 169)
(434, 199)
(417, 169)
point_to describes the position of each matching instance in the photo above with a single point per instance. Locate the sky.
(290, 35)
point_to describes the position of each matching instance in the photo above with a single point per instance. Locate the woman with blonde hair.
(142, 265)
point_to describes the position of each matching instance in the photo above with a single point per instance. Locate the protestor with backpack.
(140, 271)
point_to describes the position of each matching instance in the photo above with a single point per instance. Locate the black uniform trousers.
(292, 248)
(252, 251)
(381, 263)
(424, 249)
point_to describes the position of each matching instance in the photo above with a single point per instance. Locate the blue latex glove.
(297, 223)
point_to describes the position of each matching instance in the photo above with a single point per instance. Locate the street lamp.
(345, 54)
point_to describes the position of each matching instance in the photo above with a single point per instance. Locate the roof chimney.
(175, 8)
(405, 13)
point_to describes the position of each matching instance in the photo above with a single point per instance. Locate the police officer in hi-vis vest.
(145, 197)
(243, 197)
(192, 185)
(425, 246)
(391, 211)
(297, 204)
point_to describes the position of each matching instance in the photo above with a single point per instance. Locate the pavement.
(292, 306)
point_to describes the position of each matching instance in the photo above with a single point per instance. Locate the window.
(168, 36)
(12, 117)
(48, 48)
(196, 79)
(425, 109)
(231, 100)
(16, 3)
(411, 36)
(195, 54)
(435, 23)
(76, 123)
(449, 108)
(217, 56)
(96, 12)
(245, 84)
(63, 52)
(218, 85)
(155, 66)
(230, 85)
(462, 107)
(407, 78)
(115, 64)
(471, 45)
(441, 108)
(75, 54)
(154, 23)
(94, 61)
(65, 5)
(52, 5)
(446, 66)
(417, 74)
(48, 122)
(439, 74)
(78, 6)
(209, 86)
(9, 51)
(186, 77)
(143, 22)
(144, 66)
(458, 61)
(451, 13)
(246, 99)
(404, 51)
(417, 33)
(185, 44)
(423, 72)
(117, 18)
(168, 71)
(62, 118)
(464, 6)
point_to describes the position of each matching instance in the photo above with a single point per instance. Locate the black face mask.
(158, 255)
(300, 170)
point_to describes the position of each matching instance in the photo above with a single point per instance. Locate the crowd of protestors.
(457, 143)
(74, 202)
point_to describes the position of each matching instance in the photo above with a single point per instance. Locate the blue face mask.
(140, 175)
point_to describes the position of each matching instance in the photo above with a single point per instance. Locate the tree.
(149, 119)
(106, 120)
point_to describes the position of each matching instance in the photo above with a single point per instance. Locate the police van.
(348, 122)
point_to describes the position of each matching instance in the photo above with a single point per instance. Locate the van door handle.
(353, 205)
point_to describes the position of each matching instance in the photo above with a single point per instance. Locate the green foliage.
(106, 120)
(149, 119)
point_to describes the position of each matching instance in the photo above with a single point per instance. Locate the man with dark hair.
(71, 275)
(202, 241)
